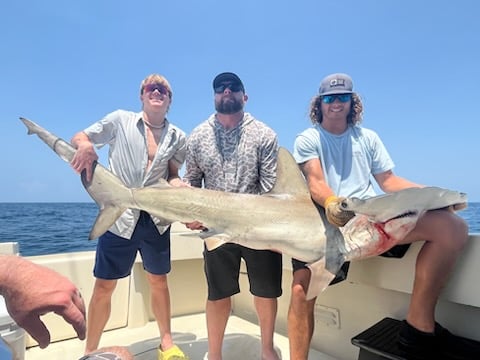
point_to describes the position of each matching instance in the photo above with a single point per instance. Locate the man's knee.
(456, 232)
(157, 282)
(104, 287)
(298, 300)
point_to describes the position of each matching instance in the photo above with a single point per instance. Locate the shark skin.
(415, 199)
(285, 220)
(389, 225)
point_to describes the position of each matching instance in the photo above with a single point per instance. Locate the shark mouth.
(410, 213)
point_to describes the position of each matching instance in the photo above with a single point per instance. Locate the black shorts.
(222, 269)
(396, 252)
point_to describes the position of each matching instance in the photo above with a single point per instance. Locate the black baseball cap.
(227, 77)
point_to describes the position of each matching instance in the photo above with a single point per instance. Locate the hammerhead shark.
(285, 219)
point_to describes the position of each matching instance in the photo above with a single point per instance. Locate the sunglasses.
(162, 89)
(328, 99)
(234, 87)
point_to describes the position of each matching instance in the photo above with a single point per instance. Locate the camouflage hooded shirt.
(241, 160)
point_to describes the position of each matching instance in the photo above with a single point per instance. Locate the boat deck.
(242, 341)
(375, 289)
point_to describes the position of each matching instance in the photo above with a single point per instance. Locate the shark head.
(365, 238)
(382, 221)
(407, 202)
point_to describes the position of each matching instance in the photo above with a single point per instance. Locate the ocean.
(49, 228)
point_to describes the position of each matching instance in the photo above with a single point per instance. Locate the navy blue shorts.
(116, 255)
(222, 269)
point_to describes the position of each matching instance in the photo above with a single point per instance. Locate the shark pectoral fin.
(213, 239)
(105, 219)
(214, 242)
(319, 279)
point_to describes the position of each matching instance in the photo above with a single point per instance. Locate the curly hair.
(354, 117)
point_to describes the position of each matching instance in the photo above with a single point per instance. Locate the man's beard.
(228, 105)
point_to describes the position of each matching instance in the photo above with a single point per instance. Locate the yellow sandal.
(174, 353)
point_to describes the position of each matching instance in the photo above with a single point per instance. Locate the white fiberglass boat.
(375, 289)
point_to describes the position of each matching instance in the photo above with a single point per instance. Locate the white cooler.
(11, 333)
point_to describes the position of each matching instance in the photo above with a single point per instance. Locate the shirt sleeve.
(381, 160)
(179, 157)
(268, 163)
(306, 146)
(103, 131)
(193, 174)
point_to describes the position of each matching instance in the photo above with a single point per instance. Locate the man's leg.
(446, 235)
(218, 312)
(160, 300)
(300, 316)
(267, 312)
(98, 312)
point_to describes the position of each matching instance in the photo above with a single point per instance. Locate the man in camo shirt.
(232, 151)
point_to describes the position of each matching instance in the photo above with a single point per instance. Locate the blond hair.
(156, 78)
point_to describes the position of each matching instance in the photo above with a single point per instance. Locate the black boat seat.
(379, 341)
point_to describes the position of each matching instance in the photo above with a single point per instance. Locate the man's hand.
(85, 157)
(32, 290)
(195, 225)
(335, 214)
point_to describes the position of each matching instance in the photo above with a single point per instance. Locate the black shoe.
(416, 344)
(441, 344)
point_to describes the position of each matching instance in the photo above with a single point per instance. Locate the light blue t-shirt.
(348, 160)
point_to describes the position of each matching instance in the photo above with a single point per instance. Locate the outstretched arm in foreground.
(32, 290)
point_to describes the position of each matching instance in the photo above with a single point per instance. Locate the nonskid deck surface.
(242, 341)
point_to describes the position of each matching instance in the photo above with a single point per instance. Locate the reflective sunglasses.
(328, 99)
(162, 89)
(234, 87)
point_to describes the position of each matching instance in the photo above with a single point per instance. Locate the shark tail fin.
(105, 219)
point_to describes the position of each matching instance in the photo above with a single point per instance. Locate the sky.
(415, 64)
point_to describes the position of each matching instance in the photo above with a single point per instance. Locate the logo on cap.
(337, 82)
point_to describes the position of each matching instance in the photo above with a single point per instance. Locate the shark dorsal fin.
(290, 179)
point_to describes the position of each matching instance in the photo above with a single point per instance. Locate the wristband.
(329, 199)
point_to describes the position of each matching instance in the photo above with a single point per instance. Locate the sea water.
(49, 228)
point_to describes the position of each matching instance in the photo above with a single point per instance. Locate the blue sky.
(66, 64)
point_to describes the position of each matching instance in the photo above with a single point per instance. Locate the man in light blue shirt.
(340, 159)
